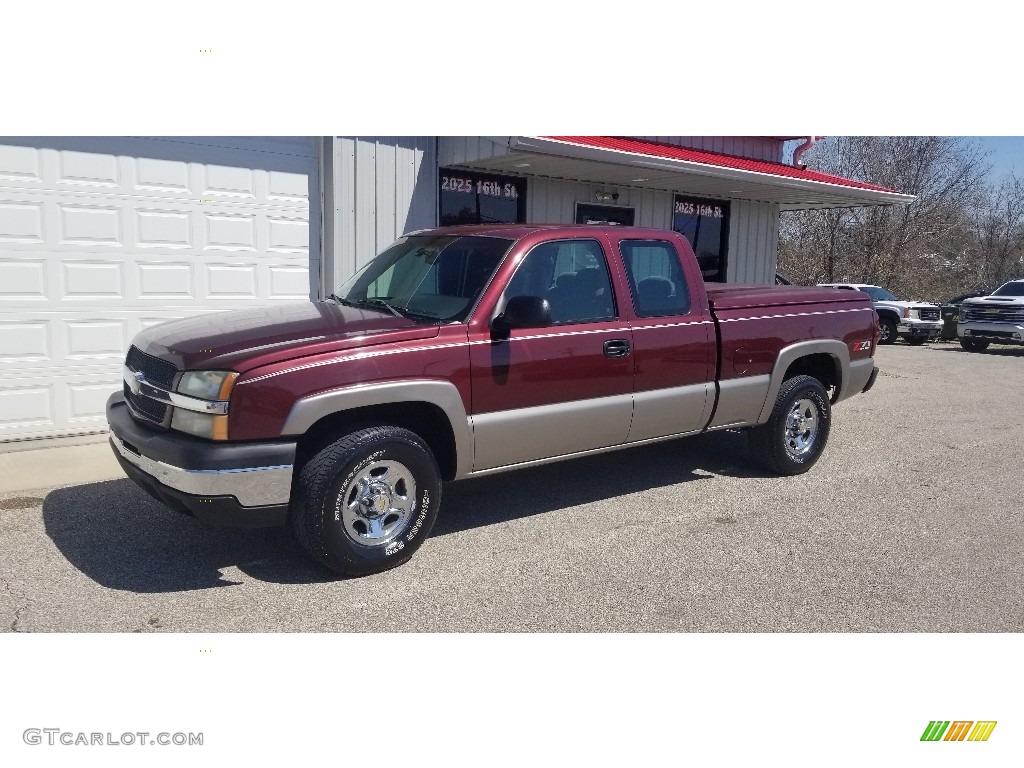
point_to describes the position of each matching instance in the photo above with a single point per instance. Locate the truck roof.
(521, 230)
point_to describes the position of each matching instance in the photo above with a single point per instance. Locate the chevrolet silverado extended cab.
(463, 351)
(994, 319)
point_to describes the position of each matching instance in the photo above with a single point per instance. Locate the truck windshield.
(878, 294)
(429, 278)
(1015, 288)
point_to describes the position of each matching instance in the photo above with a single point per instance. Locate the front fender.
(308, 410)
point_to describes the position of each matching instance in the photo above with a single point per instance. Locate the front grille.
(146, 407)
(988, 313)
(929, 313)
(159, 373)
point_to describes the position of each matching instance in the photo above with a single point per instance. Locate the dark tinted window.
(476, 198)
(1011, 289)
(655, 278)
(705, 224)
(589, 213)
(878, 294)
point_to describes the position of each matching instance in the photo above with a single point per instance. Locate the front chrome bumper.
(997, 333)
(920, 327)
(252, 486)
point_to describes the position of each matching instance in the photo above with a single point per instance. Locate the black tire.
(780, 445)
(887, 331)
(916, 341)
(390, 507)
(973, 346)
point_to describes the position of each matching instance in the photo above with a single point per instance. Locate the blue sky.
(1007, 154)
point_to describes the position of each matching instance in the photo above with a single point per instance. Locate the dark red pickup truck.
(463, 351)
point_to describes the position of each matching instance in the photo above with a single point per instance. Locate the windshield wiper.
(377, 302)
(339, 300)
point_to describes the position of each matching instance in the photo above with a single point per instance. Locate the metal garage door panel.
(100, 237)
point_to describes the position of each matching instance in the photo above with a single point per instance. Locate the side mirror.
(522, 312)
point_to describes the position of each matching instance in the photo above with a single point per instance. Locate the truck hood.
(996, 301)
(247, 338)
(734, 296)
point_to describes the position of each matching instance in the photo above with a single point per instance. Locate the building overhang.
(614, 161)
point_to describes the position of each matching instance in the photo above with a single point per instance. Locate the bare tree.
(920, 250)
(999, 234)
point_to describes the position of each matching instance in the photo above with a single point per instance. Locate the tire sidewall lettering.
(424, 509)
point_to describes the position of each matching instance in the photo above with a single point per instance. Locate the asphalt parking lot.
(911, 522)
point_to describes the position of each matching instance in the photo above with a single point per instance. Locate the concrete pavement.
(48, 463)
(910, 523)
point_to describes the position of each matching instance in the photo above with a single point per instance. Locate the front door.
(563, 389)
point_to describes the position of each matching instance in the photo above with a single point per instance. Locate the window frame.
(723, 256)
(631, 282)
(476, 177)
(616, 312)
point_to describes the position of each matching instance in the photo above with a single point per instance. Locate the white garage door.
(102, 237)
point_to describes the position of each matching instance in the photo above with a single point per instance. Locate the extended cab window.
(572, 275)
(656, 278)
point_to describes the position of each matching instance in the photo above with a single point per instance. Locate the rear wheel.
(792, 440)
(367, 501)
(973, 346)
(886, 331)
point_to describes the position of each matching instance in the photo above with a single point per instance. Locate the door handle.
(616, 348)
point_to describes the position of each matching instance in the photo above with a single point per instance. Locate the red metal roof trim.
(654, 149)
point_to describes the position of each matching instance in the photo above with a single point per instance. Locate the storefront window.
(589, 213)
(705, 223)
(477, 198)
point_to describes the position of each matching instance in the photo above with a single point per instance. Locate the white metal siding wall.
(753, 147)
(552, 201)
(753, 242)
(381, 187)
(453, 150)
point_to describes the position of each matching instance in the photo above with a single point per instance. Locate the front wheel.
(886, 331)
(794, 436)
(367, 501)
(973, 346)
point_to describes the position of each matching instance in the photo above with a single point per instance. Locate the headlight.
(204, 385)
(914, 314)
(200, 424)
(207, 385)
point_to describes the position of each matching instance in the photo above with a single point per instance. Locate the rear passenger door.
(553, 391)
(674, 350)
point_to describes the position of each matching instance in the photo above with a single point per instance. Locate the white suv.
(915, 321)
(995, 319)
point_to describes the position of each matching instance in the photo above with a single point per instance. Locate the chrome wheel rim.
(378, 502)
(883, 332)
(801, 428)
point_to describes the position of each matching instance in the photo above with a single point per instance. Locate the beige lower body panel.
(671, 411)
(740, 401)
(527, 434)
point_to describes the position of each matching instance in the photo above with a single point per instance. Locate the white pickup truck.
(916, 321)
(995, 319)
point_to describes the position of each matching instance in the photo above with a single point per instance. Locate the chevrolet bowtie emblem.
(137, 381)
